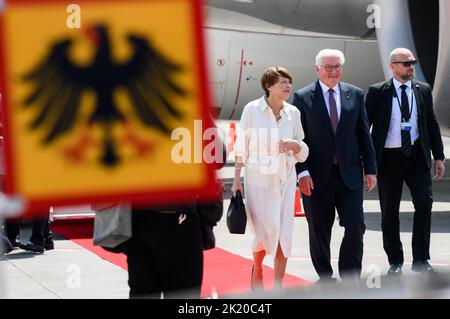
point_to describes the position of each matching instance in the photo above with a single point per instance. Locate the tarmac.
(72, 272)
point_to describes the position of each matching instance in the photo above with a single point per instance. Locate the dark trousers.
(395, 168)
(41, 230)
(12, 229)
(320, 210)
(164, 256)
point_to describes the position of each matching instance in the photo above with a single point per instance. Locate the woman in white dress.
(269, 143)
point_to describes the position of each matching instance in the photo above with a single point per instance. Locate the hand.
(439, 169)
(306, 185)
(371, 181)
(237, 185)
(287, 144)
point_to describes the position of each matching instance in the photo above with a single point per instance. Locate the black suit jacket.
(352, 143)
(379, 110)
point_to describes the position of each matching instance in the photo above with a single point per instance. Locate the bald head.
(400, 54)
(402, 64)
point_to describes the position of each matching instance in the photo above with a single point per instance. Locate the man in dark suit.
(404, 131)
(341, 151)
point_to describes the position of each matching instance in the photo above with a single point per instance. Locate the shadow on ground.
(440, 222)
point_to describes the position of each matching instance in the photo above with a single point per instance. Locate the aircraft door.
(218, 44)
(243, 76)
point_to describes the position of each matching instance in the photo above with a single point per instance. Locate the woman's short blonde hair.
(271, 75)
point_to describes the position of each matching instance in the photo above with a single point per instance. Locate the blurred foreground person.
(165, 253)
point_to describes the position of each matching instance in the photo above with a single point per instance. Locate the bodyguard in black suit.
(341, 152)
(404, 131)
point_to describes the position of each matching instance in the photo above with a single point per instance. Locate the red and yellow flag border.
(207, 191)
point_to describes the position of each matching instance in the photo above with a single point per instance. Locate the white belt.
(271, 164)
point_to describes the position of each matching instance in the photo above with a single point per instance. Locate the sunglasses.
(407, 64)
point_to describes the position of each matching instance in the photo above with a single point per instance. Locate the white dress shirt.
(394, 136)
(326, 97)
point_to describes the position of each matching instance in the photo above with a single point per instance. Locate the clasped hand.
(288, 145)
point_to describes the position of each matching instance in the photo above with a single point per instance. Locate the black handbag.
(236, 216)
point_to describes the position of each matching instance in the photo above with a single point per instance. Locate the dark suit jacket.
(352, 142)
(379, 110)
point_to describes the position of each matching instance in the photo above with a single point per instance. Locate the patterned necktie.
(406, 135)
(333, 116)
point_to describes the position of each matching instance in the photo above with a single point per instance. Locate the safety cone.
(231, 137)
(298, 211)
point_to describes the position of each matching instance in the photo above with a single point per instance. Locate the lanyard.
(400, 105)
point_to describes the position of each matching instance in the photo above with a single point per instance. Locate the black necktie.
(406, 135)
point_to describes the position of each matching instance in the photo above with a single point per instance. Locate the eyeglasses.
(329, 68)
(407, 64)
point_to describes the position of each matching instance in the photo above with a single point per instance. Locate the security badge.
(405, 126)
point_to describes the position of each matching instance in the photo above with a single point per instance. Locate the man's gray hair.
(329, 53)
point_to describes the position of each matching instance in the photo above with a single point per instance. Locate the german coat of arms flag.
(104, 101)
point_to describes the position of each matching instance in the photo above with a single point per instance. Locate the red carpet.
(224, 272)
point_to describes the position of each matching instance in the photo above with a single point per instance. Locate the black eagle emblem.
(58, 85)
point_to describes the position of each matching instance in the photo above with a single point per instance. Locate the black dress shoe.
(422, 266)
(395, 269)
(32, 247)
(48, 244)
